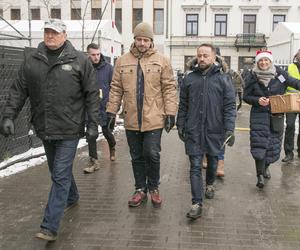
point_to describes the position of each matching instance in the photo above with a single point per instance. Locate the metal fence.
(10, 60)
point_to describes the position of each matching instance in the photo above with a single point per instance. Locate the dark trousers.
(290, 133)
(196, 175)
(60, 156)
(92, 144)
(145, 157)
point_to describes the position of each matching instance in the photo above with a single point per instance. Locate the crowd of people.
(71, 94)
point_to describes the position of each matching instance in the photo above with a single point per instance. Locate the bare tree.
(48, 4)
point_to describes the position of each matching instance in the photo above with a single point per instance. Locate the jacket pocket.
(153, 71)
(128, 76)
(277, 123)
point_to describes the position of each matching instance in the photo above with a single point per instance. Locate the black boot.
(288, 158)
(260, 181)
(267, 173)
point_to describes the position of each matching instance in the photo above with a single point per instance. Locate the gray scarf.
(265, 76)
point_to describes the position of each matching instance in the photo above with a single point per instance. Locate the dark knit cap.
(144, 30)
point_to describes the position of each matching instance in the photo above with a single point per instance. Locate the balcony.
(256, 40)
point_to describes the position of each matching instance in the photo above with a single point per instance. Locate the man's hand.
(92, 134)
(181, 133)
(111, 120)
(169, 122)
(229, 138)
(7, 127)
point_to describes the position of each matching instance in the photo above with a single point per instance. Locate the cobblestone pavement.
(239, 217)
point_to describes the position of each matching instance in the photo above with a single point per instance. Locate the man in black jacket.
(205, 121)
(60, 83)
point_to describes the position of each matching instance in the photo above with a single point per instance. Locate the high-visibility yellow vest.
(293, 72)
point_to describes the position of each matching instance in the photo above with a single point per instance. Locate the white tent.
(107, 37)
(284, 41)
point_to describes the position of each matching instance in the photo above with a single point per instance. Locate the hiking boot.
(46, 234)
(260, 181)
(209, 192)
(138, 198)
(220, 169)
(93, 166)
(70, 206)
(204, 162)
(155, 198)
(112, 153)
(267, 174)
(288, 158)
(195, 211)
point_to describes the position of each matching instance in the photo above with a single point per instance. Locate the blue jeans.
(60, 155)
(145, 157)
(196, 175)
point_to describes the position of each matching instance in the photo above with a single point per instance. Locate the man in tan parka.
(143, 79)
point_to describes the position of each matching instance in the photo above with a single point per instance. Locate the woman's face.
(264, 64)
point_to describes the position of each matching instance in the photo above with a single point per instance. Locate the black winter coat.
(265, 143)
(206, 110)
(104, 73)
(60, 94)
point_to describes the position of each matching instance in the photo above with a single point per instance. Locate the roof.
(74, 28)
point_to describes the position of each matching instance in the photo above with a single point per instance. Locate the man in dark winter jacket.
(104, 76)
(60, 83)
(205, 121)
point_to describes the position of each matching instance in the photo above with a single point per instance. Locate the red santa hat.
(263, 54)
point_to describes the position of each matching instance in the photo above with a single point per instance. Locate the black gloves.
(229, 138)
(181, 133)
(111, 120)
(169, 122)
(92, 133)
(7, 127)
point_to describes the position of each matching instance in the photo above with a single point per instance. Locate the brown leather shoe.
(155, 198)
(138, 198)
(220, 169)
(112, 153)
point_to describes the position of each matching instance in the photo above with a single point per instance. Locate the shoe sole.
(156, 205)
(193, 217)
(45, 237)
(90, 172)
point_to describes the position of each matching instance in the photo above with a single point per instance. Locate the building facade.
(237, 27)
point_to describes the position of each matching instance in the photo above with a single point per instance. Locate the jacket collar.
(137, 54)
(193, 66)
(68, 52)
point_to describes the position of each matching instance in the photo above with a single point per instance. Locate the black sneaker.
(46, 234)
(209, 192)
(260, 181)
(288, 158)
(195, 211)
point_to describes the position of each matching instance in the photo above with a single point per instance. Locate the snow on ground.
(22, 166)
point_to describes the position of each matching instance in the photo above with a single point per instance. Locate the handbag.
(277, 123)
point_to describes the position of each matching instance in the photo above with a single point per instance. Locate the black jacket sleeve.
(183, 104)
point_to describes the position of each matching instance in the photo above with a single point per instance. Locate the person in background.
(104, 72)
(238, 83)
(205, 121)
(61, 85)
(294, 71)
(143, 79)
(266, 129)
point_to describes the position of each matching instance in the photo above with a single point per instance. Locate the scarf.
(265, 76)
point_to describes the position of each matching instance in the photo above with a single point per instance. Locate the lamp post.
(29, 22)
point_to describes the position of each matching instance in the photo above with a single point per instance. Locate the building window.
(1, 12)
(227, 59)
(278, 19)
(158, 21)
(245, 62)
(249, 26)
(118, 19)
(137, 17)
(220, 25)
(96, 13)
(35, 14)
(15, 14)
(192, 24)
(75, 14)
(56, 13)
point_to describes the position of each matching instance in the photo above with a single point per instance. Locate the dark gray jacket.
(206, 110)
(59, 94)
